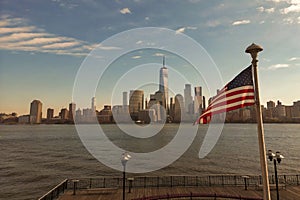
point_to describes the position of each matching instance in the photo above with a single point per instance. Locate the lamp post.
(245, 181)
(276, 158)
(124, 158)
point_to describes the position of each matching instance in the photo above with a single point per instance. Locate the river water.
(34, 158)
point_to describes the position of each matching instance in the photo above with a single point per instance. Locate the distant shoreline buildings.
(158, 109)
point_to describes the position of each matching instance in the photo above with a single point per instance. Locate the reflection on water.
(35, 158)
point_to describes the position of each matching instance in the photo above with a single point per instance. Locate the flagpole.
(253, 49)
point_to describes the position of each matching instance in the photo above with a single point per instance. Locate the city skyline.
(43, 44)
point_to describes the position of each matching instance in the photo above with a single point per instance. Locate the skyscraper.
(93, 106)
(136, 103)
(50, 113)
(188, 99)
(36, 112)
(178, 108)
(64, 114)
(163, 83)
(198, 100)
(72, 111)
(125, 101)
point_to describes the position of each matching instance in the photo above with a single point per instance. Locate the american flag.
(238, 93)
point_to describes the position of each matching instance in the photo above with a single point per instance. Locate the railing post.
(104, 183)
(235, 182)
(260, 179)
(297, 179)
(171, 181)
(184, 181)
(209, 183)
(158, 182)
(222, 180)
(90, 183)
(284, 176)
(197, 181)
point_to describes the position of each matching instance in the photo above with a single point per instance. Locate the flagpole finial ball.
(253, 49)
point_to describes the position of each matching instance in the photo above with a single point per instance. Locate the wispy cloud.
(125, 11)
(267, 10)
(278, 66)
(294, 6)
(213, 23)
(17, 35)
(183, 29)
(180, 30)
(159, 54)
(294, 58)
(241, 22)
(136, 57)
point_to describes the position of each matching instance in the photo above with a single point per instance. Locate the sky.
(44, 44)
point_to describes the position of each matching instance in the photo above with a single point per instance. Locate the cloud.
(182, 29)
(125, 11)
(260, 9)
(61, 45)
(139, 42)
(278, 1)
(288, 20)
(136, 57)
(294, 58)
(17, 35)
(22, 36)
(267, 10)
(159, 54)
(241, 22)
(213, 23)
(270, 10)
(278, 66)
(294, 6)
(7, 30)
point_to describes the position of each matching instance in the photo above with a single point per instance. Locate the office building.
(93, 106)
(36, 112)
(72, 111)
(188, 99)
(136, 103)
(178, 108)
(198, 100)
(50, 113)
(163, 84)
(64, 114)
(125, 100)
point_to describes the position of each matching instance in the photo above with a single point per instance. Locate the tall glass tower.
(163, 84)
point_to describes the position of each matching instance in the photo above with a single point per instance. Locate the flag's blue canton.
(244, 78)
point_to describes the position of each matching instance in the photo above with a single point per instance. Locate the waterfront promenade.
(174, 187)
(290, 193)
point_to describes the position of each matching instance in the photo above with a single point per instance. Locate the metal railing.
(197, 195)
(181, 181)
(56, 191)
(166, 181)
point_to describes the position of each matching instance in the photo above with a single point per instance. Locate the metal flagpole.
(253, 49)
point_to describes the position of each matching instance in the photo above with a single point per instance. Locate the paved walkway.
(290, 193)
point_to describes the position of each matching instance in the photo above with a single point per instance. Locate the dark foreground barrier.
(167, 181)
(182, 181)
(191, 195)
(56, 191)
